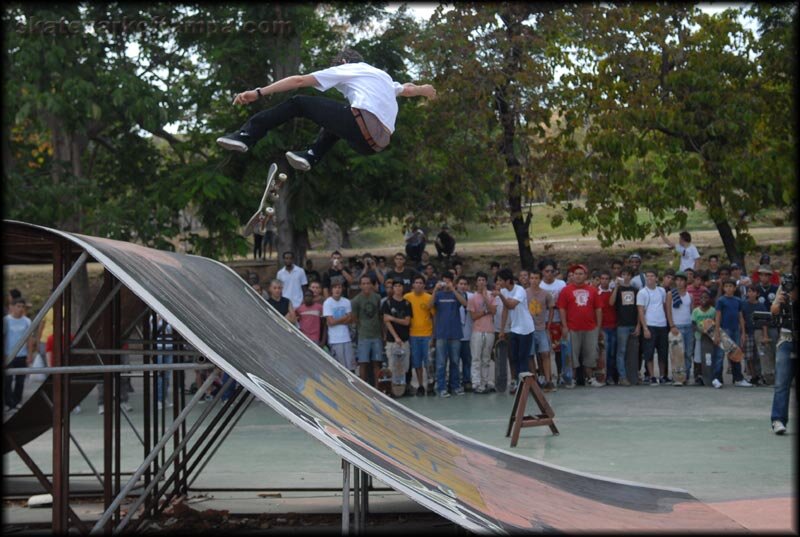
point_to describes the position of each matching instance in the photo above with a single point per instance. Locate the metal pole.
(345, 497)
(90, 369)
(55, 295)
(132, 509)
(95, 314)
(60, 522)
(150, 457)
(221, 441)
(74, 441)
(356, 500)
(117, 352)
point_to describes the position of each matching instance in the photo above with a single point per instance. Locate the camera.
(787, 282)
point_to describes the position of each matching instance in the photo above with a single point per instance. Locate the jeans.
(466, 362)
(335, 118)
(623, 333)
(736, 367)
(687, 332)
(163, 376)
(610, 336)
(785, 364)
(447, 350)
(369, 350)
(419, 350)
(518, 351)
(14, 397)
(658, 342)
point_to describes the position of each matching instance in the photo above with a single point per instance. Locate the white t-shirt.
(293, 283)
(466, 319)
(337, 309)
(366, 87)
(554, 289)
(639, 281)
(521, 320)
(688, 256)
(653, 301)
(683, 315)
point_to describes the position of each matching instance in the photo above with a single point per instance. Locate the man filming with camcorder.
(783, 317)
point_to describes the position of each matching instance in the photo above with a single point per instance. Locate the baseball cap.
(735, 266)
(635, 256)
(579, 266)
(764, 259)
(764, 269)
(681, 274)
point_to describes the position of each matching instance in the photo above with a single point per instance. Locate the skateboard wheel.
(269, 210)
(282, 177)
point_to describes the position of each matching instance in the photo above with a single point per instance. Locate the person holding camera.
(336, 270)
(447, 333)
(782, 310)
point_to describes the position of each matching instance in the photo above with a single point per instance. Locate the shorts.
(343, 352)
(750, 348)
(269, 238)
(419, 350)
(540, 343)
(555, 336)
(584, 345)
(369, 350)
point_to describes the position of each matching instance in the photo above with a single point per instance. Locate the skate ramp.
(479, 487)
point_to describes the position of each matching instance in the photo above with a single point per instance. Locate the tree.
(675, 109)
(494, 66)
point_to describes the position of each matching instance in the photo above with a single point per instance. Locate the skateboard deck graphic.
(397, 369)
(677, 357)
(270, 194)
(632, 359)
(707, 350)
(732, 351)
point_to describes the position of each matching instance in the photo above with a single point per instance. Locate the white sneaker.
(100, 409)
(743, 384)
(717, 384)
(778, 427)
(77, 409)
(160, 405)
(169, 403)
(512, 387)
(596, 383)
(126, 407)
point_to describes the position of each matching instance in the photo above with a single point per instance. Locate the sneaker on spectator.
(743, 384)
(778, 427)
(646, 380)
(624, 382)
(676, 383)
(549, 387)
(699, 381)
(207, 397)
(100, 409)
(459, 391)
(444, 395)
(236, 141)
(420, 391)
(430, 390)
(595, 383)
(480, 389)
(301, 160)
(77, 409)
(160, 405)
(490, 388)
(570, 385)
(665, 380)
(169, 402)
(512, 387)
(716, 383)
(125, 406)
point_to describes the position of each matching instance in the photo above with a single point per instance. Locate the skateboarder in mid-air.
(366, 124)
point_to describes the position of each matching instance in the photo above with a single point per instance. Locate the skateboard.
(677, 357)
(270, 194)
(733, 352)
(385, 381)
(632, 360)
(706, 358)
(431, 370)
(397, 370)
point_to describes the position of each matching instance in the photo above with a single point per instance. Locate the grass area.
(388, 235)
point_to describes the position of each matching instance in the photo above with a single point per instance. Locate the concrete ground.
(717, 444)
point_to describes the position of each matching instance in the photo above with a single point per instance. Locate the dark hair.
(494, 264)
(648, 271)
(347, 55)
(17, 300)
(14, 293)
(481, 274)
(418, 277)
(397, 282)
(605, 273)
(335, 252)
(669, 272)
(617, 262)
(401, 254)
(625, 270)
(713, 256)
(430, 265)
(753, 288)
(505, 274)
(457, 262)
(726, 268)
(685, 235)
(536, 272)
(368, 277)
(448, 274)
(287, 252)
(729, 281)
(547, 262)
(462, 277)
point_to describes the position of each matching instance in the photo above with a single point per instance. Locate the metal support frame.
(362, 483)
(92, 369)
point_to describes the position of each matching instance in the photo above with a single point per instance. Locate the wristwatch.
(258, 90)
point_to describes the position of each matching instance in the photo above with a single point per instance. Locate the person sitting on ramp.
(366, 124)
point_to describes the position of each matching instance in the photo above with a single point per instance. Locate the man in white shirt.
(366, 124)
(679, 317)
(294, 280)
(652, 303)
(685, 248)
(338, 314)
(515, 307)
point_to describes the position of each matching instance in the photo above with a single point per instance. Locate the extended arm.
(412, 90)
(285, 84)
(665, 239)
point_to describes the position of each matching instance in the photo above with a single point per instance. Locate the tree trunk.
(332, 233)
(729, 242)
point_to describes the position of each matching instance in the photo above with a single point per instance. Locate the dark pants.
(14, 397)
(257, 240)
(335, 118)
(658, 341)
(519, 349)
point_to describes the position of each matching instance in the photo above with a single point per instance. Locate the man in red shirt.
(581, 317)
(609, 325)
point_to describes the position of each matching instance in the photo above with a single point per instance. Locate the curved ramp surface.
(479, 487)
